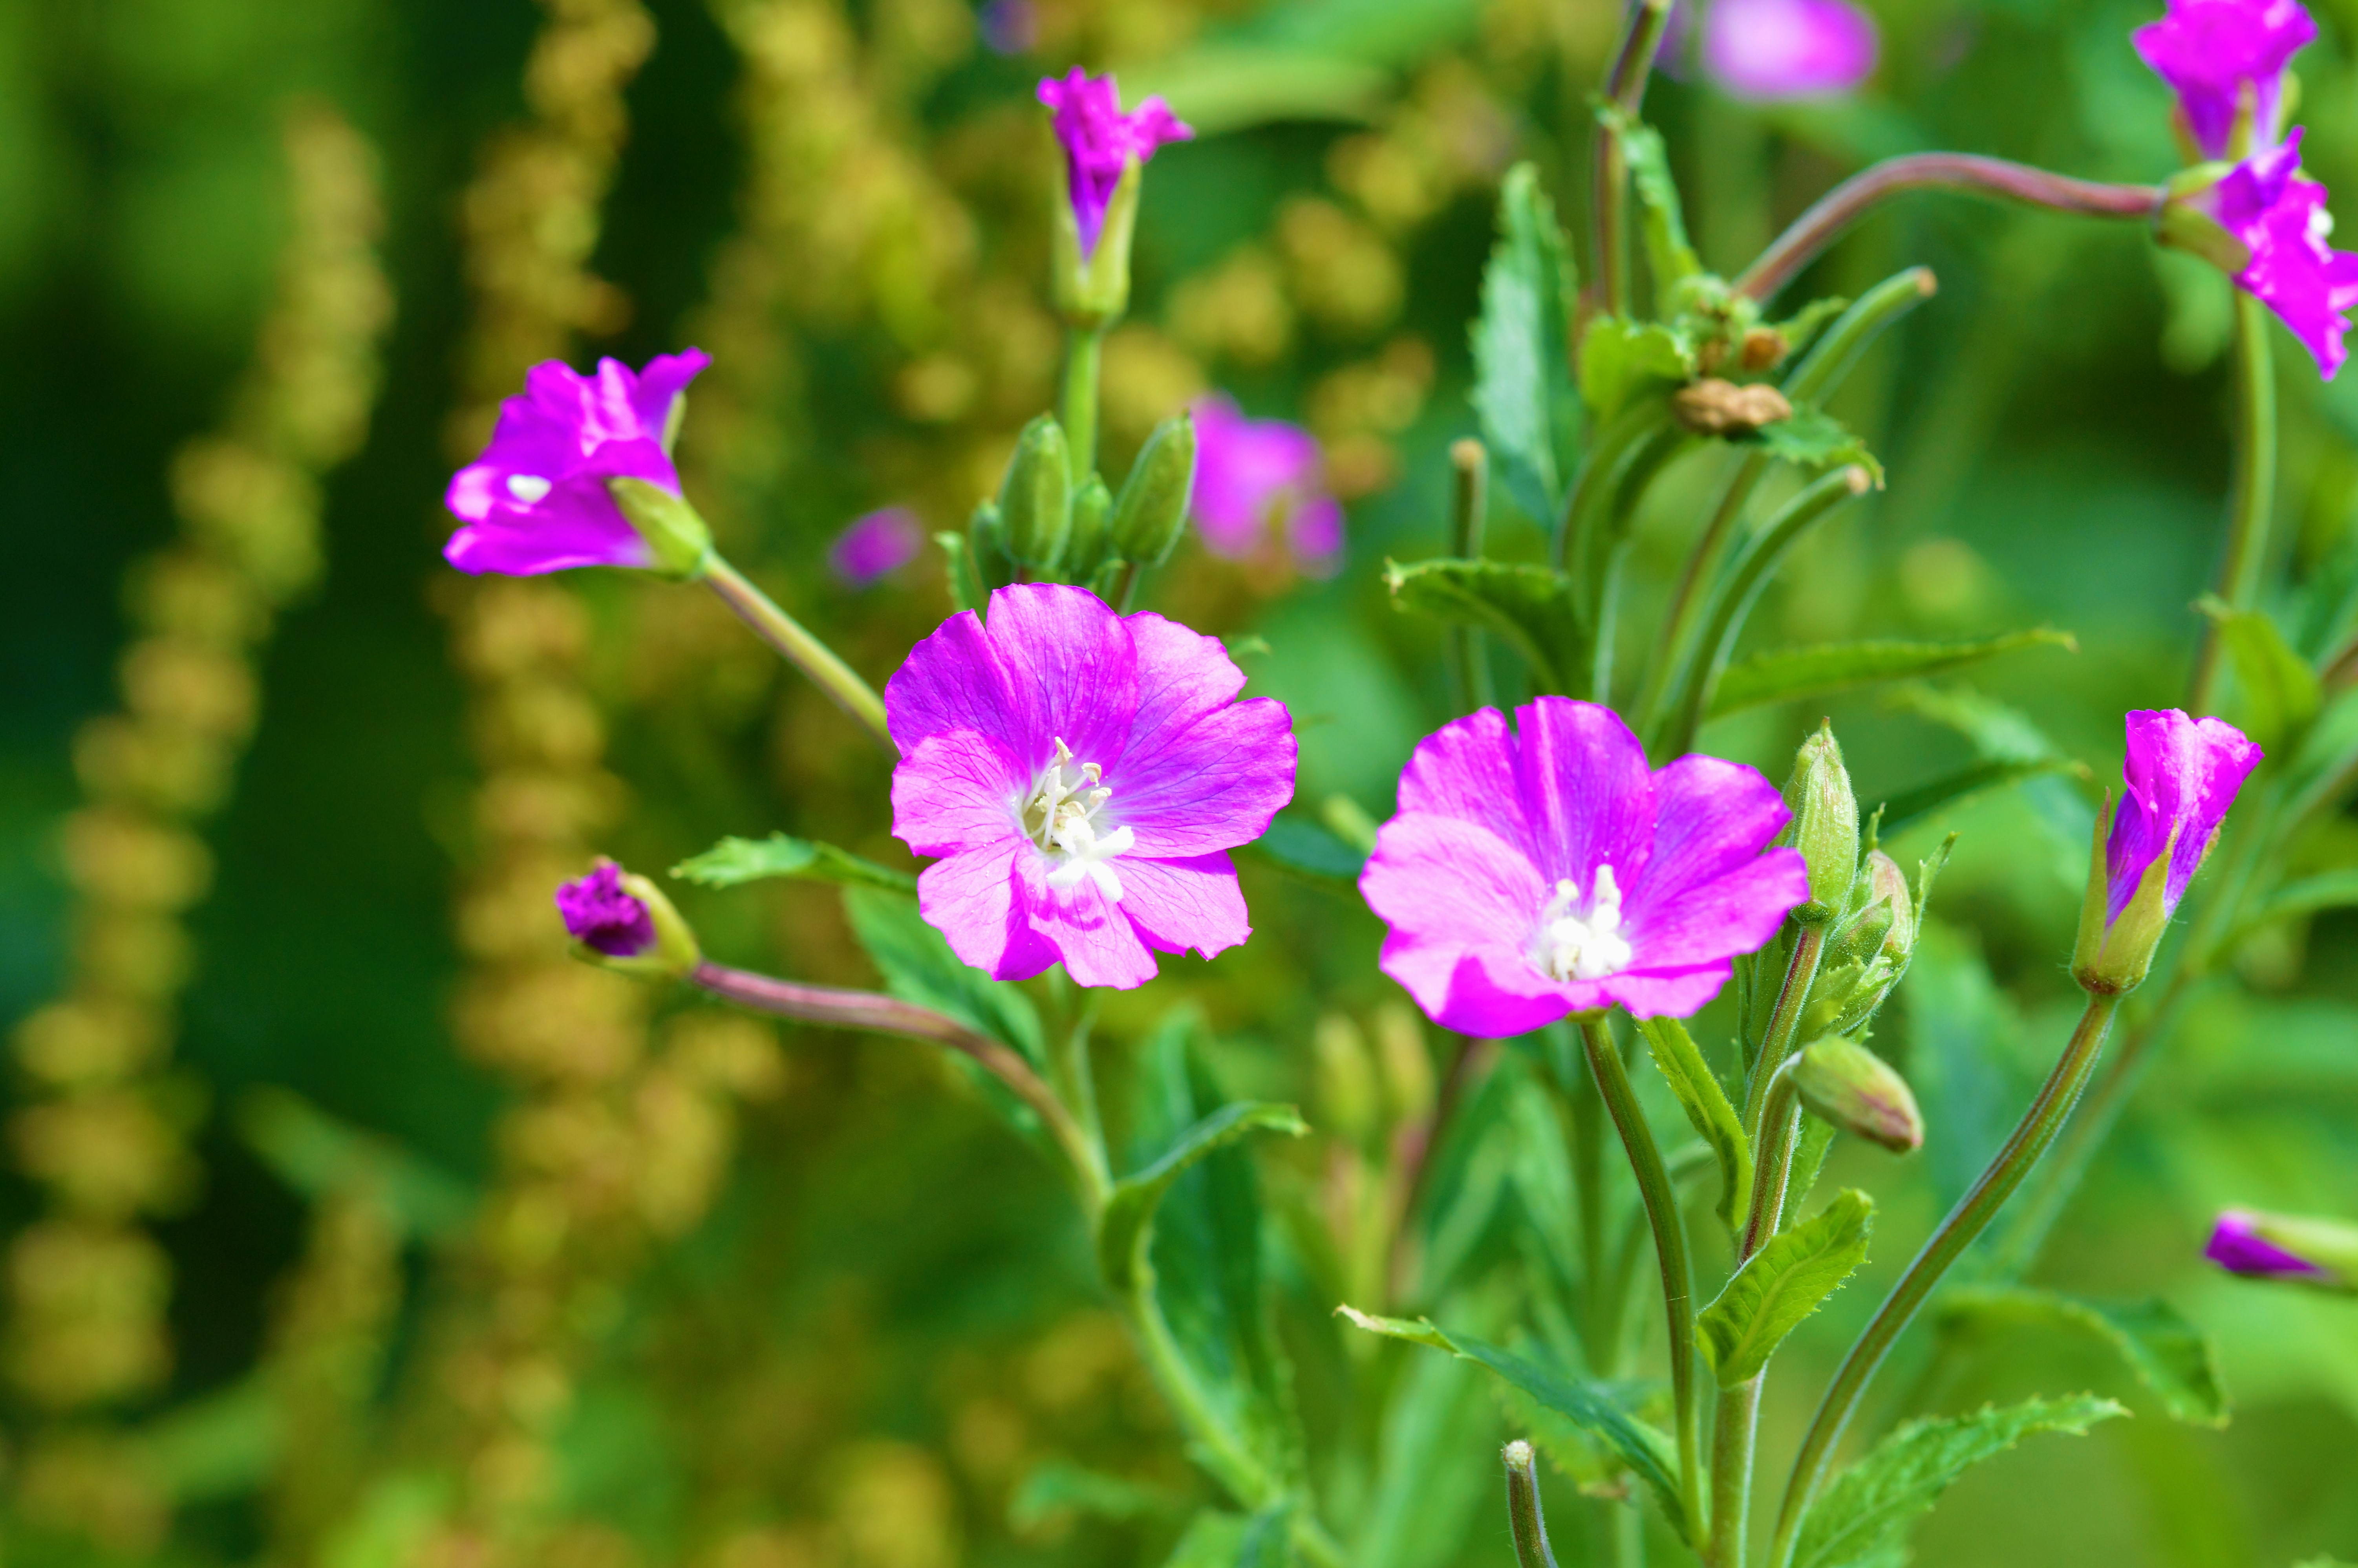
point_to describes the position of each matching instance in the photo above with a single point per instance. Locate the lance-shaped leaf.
(1910, 806)
(1523, 386)
(2168, 1354)
(919, 967)
(2309, 895)
(1714, 1121)
(1528, 606)
(1816, 440)
(1619, 359)
(1127, 1227)
(1594, 1406)
(2280, 691)
(1784, 675)
(1301, 845)
(1863, 1517)
(736, 860)
(1667, 251)
(1784, 1283)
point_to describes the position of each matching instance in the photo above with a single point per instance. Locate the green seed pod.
(1035, 500)
(1151, 510)
(1824, 827)
(1092, 508)
(1857, 1090)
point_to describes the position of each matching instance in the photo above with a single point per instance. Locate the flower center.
(1061, 817)
(1574, 944)
(528, 488)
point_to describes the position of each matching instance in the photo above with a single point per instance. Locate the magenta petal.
(2181, 775)
(1777, 49)
(602, 915)
(1178, 904)
(1668, 993)
(1099, 140)
(975, 900)
(1089, 930)
(1071, 663)
(662, 384)
(1214, 786)
(2210, 50)
(876, 546)
(1585, 791)
(1491, 993)
(956, 791)
(1465, 769)
(2237, 1245)
(1735, 913)
(954, 680)
(1181, 676)
(1451, 891)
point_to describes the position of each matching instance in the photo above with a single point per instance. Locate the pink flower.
(2180, 776)
(2211, 50)
(2279, 217)
(1777, 49)
(1252, 473)
(1083, 775)
(1099, 140)
(876, 546)
(1527, 878)
(2237, 1245)
(536, 499)
(600, 915)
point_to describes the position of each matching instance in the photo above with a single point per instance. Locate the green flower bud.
(1035, 500)
(1093, 290)
(1151, 510)
(673, 530)
(1825, 826)
(1852, 1087)
(1092, 510)
(986, 544)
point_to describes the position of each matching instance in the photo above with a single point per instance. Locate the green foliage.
(734, 862)
(1660, 215)
(1529, 608)
(1127, 1224)
(1863, 1516)
(1788, 675)
(1523, 386)
(1815, 440)
(1620, 358)
(918, 965)
(2279, 691)
(1790, 1278)
(2170, 1356)
(1690, 1078)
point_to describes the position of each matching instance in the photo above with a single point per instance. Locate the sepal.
(1092, 289)
(2184, 221)
(2113, 955)
(673, 530)
(676, 953)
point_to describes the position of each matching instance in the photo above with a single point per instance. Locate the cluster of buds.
(1047, 527)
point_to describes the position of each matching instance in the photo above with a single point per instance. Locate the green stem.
(1524, 1520)
(1084, 350)
(800, 648)
(1755, 562)
(1070, 1076)
(2030, 1139)
(1469, 658)
(1816, 229)
(2253, 499)
(1784, 1021)
(1661, 1201)
(1625, 84)
(1602, 1328)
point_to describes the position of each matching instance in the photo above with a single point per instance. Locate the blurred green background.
(881, 1324)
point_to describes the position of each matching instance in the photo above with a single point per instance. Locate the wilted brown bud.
(1764, 346)
(1715, 408)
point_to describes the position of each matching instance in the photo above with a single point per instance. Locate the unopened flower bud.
(985, 545)
(1851, 1087)
(1105, 152)
(2319, 1252)
(621, 921)
(1715, 408)
(1825, 826)
(1151, 510)
(1092, 512)
(673, 530)
(1035, 500)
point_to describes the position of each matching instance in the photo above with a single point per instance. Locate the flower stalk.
(2253, 499)
(800, 648)
(1625, 86)
(1084, 353)
(1844, 205)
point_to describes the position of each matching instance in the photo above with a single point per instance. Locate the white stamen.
(528, 488)
(1572, 943)
(1061, 817)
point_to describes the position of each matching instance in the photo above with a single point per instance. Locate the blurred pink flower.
(1254, 474)
(1773, 50)
(874, 546)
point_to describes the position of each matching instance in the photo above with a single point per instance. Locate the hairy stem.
(1624, 85)
(1524, 1520)
(2030, 1139)
(792, 639)
(1816, 229)
(2253, 499)
(1084, 350)
(1469, 655)
(1661, 1201)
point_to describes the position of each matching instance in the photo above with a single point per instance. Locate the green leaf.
(1814, 439)
(1591, 1405)
(1528, 606)
(1690, 1078)
(918, 965)
(2168, 1354)
(226, 1444)
(1523, 388)
(1786, 674)
(1301, 845)
(2328, 889)
(1910, 806)
(1784, 1283)
(1620, 358)
(1126, 1228)
(1667, 251)
(2279, 691)
(737, 861)
(1863, 1516)
(1059, 1487)
(320, 1156)
(1214, 1538)
(1425, 1500)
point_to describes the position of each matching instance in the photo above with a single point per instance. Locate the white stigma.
(528, 488)
(1061, 817)
(1577, 944)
